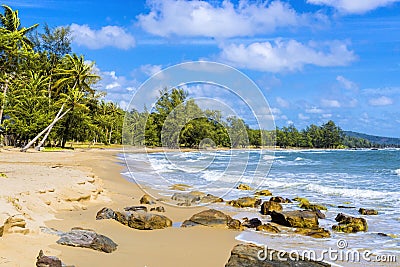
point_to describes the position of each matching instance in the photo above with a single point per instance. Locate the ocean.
(357, 178)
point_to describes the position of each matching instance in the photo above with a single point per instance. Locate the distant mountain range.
(380, 140)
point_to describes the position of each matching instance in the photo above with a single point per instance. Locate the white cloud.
(331, 103)
(150, 70)
(303, 117)
(288, 55)
(276, 111)
(314, 110)
(225, 20)
(381, 101)
(353, 6)
(347, 84)
(282, 102)
(326, 116)
(113, 36)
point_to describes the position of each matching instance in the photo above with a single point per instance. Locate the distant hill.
(380, 140)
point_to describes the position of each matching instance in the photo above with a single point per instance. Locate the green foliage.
(38, 76)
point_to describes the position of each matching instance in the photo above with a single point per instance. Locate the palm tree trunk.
(3, 104)
(49, 130)
(56, 119)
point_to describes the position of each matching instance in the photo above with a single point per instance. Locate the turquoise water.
(358, 178)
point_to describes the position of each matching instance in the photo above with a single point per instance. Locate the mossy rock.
(368, 211)
(180, 187)
(245, 202)
(268, 228)
(349, 224)
(315, 233)
(3, 175)
(264, 192)
(244, 187)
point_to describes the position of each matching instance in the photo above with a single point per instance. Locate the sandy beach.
(62, 190)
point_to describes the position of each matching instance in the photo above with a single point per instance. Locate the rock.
(146, 199)
(49, 261)
(250, 255)
(320, 215)
(349, 224)
(122, 217)
(211, 199)
(264, 192)
(87, 239)
(367, 211)
(268, 228)
(280, 200)
(180, 187)
(245, 202)
(316, 233)
(136, 208)
(268, 206)
(345, 207)
(194, 197)
(252, 223)
(148, 221)
(212, 218)
(105, 213)
(298, 219)
(305, 204)
(158, 209)
(244, 187)
(14, 224)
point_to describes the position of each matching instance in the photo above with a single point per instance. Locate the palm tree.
(75, 79)
(17, 42)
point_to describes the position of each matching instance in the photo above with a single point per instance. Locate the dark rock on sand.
(367, 211)
(268, 206)
(316, 233)
(136, 208)
(148, 221)
(245, 202)
(268, 228)
(105, 213)
(158, 209)
(280, 200)
(250, 255)
(146, 199)
(87, 239)
(49, 261)
(212, 218)
(349, 224)
(252, 223)
(298, 219)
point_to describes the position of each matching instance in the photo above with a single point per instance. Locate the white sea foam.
(299, 158)
(397, 172)
(351, 192)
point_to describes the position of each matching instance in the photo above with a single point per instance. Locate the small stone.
(264, 192)
(146, 199)
(268, 228)
(368, 211)
(244, 187)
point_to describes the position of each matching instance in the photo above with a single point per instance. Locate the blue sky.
(314, 60)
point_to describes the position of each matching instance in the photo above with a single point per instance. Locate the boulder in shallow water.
(297, 218)
(305, 204)
(252, 223)
(245, 202)
(264, 192)
(250, 255)
(267, 227)
(211, 199)
(86, 238)
(244, 187)
(212, 218)
(268, 206)
(349, 224)
(280, 200)
(368, 211)
(316, 233)
(180, 187)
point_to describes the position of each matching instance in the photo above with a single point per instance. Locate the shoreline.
(199, 246)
